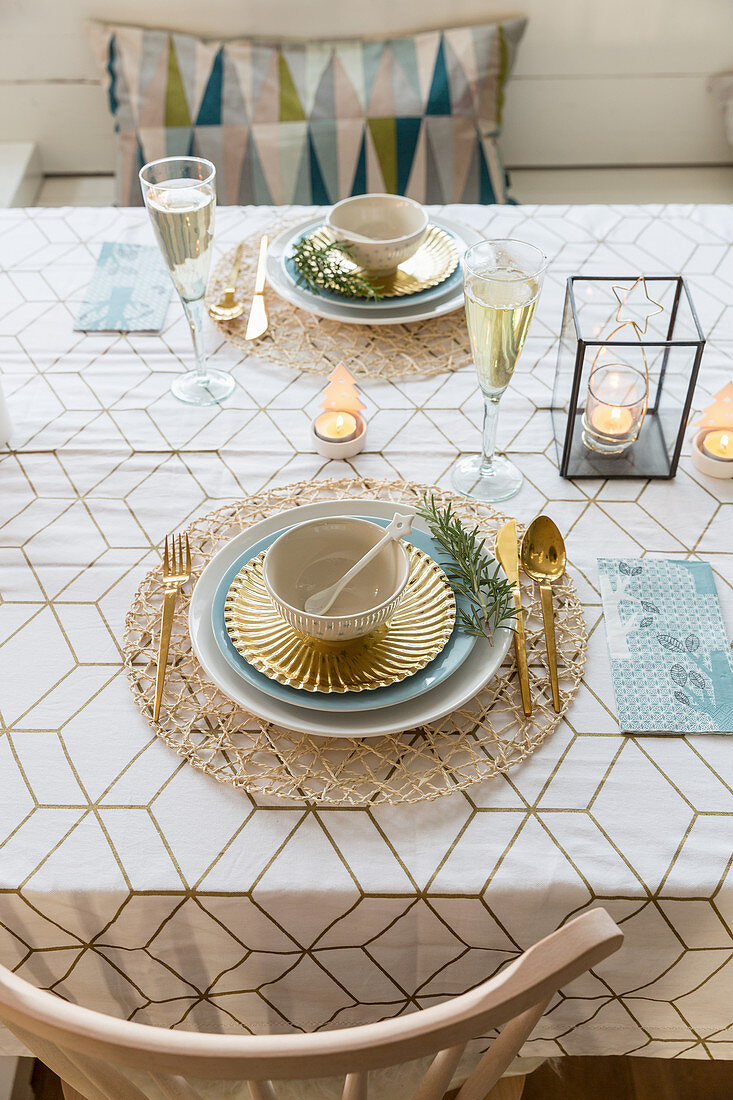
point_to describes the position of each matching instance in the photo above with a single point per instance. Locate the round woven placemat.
(303, 342)
(486, 737)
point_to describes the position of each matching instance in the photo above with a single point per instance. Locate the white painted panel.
(76, 191)
(46, 39)
(645, 120)
(630, 120)
(20, 178)
(618, 185)
(69, 122)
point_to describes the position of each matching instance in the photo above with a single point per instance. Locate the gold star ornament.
(635, 305)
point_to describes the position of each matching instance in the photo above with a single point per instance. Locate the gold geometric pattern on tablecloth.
(303, 342)
(190, 918)
(484, 738)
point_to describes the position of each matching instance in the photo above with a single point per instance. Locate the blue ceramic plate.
(457, 648)
(451, 281)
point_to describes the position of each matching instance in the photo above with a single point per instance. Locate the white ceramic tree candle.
(340, 430)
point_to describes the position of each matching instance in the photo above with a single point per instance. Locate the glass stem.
(491, 417)
(194, 311)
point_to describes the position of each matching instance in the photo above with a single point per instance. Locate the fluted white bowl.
(314, 555)
(382, 230)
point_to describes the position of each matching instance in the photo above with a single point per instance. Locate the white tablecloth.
(132, 883)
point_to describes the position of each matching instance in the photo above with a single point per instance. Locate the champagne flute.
(180, 195)
(502, 281)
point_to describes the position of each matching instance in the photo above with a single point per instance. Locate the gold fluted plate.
(434, 261)
(416, 633)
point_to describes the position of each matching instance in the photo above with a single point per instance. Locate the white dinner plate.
(364, 313)
(478, 668)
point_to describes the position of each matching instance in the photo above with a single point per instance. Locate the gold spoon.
(227, 308)
(543, 559)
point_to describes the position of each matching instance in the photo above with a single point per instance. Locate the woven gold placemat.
(484, 738)
(303, 342)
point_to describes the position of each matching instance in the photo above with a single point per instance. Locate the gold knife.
(507, 553)
(258, 323)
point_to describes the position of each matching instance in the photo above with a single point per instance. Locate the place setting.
(404, 689)
(376, 262)
(374, 259)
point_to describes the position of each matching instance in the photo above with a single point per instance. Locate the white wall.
(597, 82)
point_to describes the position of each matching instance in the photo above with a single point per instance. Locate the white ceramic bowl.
(383, 230)
(313, 555)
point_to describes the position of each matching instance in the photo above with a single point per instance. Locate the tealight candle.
(719, 445)
(712, 452)
(336, 427)
(611, 419)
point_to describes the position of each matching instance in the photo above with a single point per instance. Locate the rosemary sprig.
(319, 268)
(471, 570)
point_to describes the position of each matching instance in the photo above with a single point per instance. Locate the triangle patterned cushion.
(313, 122)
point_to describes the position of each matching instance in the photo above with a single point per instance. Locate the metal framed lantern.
(629, 355)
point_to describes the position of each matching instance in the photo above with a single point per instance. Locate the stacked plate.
(428, 285)
(418, 669)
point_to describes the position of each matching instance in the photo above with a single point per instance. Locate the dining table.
(135, 884)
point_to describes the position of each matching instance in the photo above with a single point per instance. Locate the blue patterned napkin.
(671, 662)
(129, 291)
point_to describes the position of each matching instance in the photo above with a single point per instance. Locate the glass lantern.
(629, 355)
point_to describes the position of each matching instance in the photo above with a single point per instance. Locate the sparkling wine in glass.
(502, 283)
(180, 195)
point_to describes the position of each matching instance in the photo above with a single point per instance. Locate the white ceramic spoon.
(319, 602)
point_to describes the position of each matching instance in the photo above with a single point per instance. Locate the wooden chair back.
(89, 1050)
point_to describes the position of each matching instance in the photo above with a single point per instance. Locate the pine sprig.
(471, 571)
(319, 268)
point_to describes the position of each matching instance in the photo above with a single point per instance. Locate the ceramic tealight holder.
(712, 443)
(331, 446)
(340, 430)
(712, 452)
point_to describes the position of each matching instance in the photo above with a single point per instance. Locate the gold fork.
(176, 572)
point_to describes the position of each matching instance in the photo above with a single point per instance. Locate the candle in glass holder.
(615, 408)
